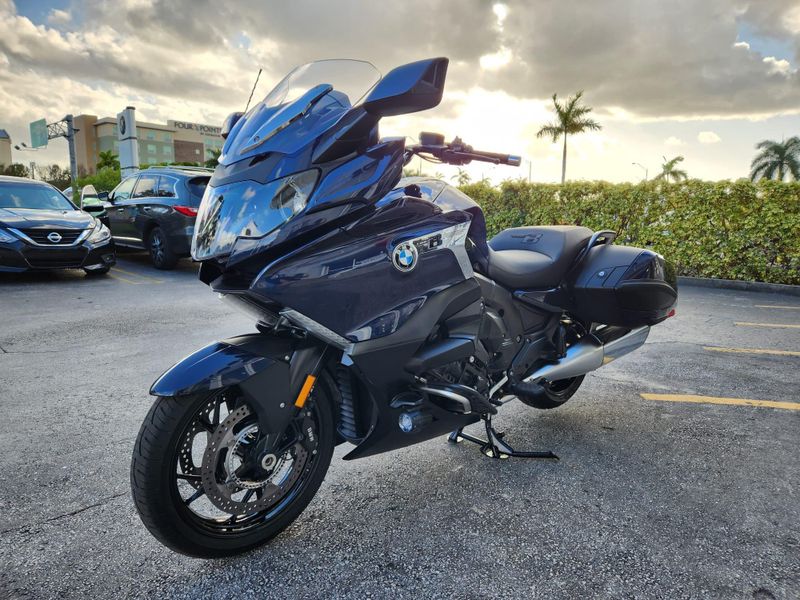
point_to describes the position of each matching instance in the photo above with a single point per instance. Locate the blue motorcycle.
(384, 315)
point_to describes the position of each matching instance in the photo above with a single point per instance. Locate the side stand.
(494, 446)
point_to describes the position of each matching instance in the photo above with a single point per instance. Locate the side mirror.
(109, 198)
(102, 195)
(409, 88)
(229, 122)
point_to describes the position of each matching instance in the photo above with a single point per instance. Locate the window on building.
(166, 187)
(151, 135)
(151, 148)
(167, 137)
(145, 187)
(197, 151)
(166, 150)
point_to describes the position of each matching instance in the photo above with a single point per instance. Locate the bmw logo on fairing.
(404, 257)
(54, 237)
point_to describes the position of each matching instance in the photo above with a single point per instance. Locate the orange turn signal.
(308, 385)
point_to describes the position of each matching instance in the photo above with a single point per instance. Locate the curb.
(750, 286)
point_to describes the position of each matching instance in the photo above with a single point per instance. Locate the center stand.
(494, 446)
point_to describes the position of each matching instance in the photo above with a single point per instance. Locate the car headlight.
(6, 237)
(100, 234)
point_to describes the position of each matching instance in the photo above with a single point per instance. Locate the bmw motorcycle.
(384, 316)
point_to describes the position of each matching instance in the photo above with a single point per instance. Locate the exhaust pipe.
(588, 355)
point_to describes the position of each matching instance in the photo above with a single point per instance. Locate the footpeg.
(528, 389)
(494, 446)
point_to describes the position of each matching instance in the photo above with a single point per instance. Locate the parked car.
(41, 229)
(155, 210)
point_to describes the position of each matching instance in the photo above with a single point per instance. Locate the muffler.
(589, 354)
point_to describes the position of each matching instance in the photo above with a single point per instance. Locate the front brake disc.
(220, 481)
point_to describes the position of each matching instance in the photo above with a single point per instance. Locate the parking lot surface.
(678, 476)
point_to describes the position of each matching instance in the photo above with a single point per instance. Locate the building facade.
(5, 148)
(177, 141)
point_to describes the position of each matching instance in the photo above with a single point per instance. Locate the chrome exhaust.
(588, 355)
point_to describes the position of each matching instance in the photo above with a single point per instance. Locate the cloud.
(708, 137)
(744, 45)
(674, 141)
(780, 66)
(59, 17)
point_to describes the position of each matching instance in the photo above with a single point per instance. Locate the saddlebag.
(622, 285)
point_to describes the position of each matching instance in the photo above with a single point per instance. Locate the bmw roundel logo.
(404, 257)
(54, 237)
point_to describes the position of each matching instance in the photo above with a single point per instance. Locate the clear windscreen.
(353, 78)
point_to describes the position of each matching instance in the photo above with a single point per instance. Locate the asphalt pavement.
(678, 478)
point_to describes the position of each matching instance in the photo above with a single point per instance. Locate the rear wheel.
(161, 254)
(204, 486)
(555, 393)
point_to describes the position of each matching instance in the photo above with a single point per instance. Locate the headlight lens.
(246, 209)
(6, 237)
(100, 234)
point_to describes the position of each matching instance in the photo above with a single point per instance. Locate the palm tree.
(462, 177)
(776, 160)
(107, 160)
(570, 119)
(213, 157)
(669, 172)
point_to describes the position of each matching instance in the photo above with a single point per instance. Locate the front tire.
(168, 486)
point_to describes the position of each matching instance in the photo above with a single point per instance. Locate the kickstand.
(494, 446)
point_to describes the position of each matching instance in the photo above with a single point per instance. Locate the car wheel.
(161, 254)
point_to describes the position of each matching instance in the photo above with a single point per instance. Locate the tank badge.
(404, 257)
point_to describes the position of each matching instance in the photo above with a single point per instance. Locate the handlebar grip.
(506, 159)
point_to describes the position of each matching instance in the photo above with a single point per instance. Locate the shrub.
(731, 230)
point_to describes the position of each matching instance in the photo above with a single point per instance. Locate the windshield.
(26, 195)
(353, 78)
(304, 104)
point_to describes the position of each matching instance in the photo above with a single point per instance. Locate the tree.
(462, 177)
(16, 170)
(107, 160)
(213, 157)
(669, 172)
(570, 119)
(776, 160)
(56, 176)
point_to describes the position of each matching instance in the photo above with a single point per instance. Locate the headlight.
(100, 234)
(247, 211)
(6, 237)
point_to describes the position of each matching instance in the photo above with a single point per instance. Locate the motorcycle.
(384, 316)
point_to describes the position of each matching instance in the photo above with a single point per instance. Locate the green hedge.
(730, 230)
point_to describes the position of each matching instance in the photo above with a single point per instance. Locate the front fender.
(269, 371)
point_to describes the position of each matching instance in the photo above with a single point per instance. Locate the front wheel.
(203, 483)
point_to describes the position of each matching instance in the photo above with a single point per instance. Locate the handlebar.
(458, 153)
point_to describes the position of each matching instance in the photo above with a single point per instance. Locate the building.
(5, 148)
(177, 141)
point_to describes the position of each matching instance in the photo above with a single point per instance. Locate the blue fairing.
(286, 128)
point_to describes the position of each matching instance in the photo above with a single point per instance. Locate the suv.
(155, 210)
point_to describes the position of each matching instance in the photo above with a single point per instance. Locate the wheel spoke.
(188, 477)
(247, 495)
(200, 491)
(215, 422)
(205, 425)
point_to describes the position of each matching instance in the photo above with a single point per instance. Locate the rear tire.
(555, 393)
(161, 255)
(166, 513)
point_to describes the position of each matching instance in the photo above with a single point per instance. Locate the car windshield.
(32, 196)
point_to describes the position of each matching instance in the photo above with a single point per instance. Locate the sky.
(705, 80)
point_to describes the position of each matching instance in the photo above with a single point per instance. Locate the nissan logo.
(54, 237)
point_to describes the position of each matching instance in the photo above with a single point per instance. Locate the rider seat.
(535, 257)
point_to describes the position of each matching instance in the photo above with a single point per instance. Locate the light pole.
(641, 167)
